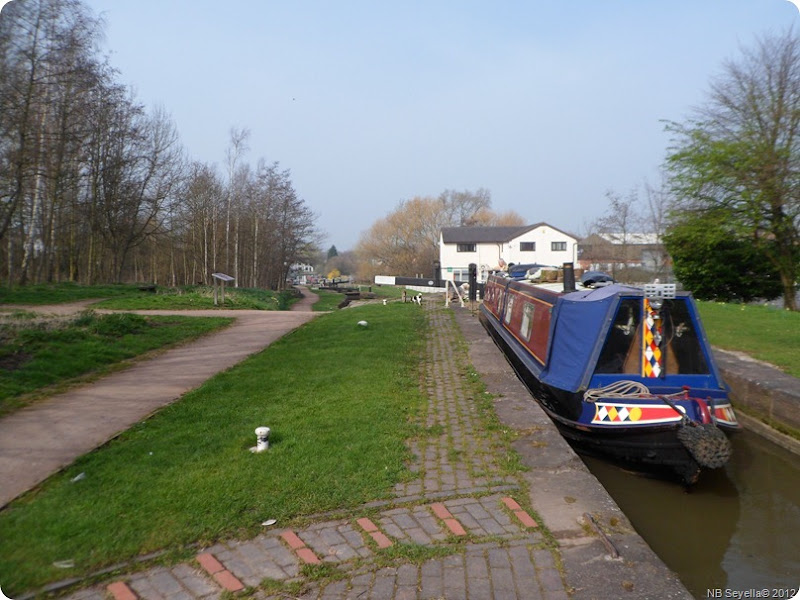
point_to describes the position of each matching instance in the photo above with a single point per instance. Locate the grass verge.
(201, 297)
(763, 332)
(327, 300)
(39, 355)
(339, 399)
(57, 293)
(135, 297)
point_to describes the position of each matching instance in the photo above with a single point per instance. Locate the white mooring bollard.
(262, 440)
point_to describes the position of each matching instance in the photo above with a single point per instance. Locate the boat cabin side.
(524, 311)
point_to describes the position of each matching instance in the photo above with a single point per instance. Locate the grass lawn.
(339, 399)
(130, 297)
(200, 297)
(57, 293)
(38, 355)
(327, 300)
(763, 332)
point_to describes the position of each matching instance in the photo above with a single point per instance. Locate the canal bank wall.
(765, 396)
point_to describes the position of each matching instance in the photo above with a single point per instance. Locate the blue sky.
(546, 103)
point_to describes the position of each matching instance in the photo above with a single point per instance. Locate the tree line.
(96, 188)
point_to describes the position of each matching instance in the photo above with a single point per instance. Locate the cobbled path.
(462, 459)
(455, 532)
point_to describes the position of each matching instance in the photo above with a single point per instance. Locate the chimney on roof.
(569, 277)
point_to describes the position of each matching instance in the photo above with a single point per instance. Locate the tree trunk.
(255, 253)
(236, 254)
(33, 233)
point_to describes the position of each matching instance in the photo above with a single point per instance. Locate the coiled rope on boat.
(707, 444)
(624, 389)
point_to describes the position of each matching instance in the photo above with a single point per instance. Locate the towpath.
(43, 438)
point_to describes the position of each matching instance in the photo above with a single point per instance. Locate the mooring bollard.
(262, 440)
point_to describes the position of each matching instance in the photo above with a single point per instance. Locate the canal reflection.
(737, 529)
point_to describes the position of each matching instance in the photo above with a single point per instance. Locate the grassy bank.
(338, 398)
(200, 297)
(39, 355)
(763, 332)
(135, 297)
(57, 293)
(329, 300)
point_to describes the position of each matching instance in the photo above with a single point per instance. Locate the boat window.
(622, 350)
(684, 352)
(527, 320)
(509, 309)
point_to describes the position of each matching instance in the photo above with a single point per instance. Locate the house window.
(558, 246)
(465, 248)
(527, 246)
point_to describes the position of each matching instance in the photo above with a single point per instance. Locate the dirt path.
(58, 310)
(41, 439)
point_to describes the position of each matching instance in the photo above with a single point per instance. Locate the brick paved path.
(462, 459)
(456, 532)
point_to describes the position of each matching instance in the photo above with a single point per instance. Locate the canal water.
(738, 529)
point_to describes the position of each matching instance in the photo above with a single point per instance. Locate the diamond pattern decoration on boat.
(651, 365)
(617, 414)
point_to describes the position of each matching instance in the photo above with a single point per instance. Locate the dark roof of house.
(487, 235)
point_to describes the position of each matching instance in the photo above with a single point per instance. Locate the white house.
(299, 273)
(487, 246)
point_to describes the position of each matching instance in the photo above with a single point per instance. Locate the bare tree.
(199, 205)
(236, 149)
(658, 202)
(620, 221)
(46, 66)
(94, 187)
(144, 171)
(406, 242)
(460, 208)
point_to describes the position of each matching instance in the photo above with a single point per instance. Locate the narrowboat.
(624, 372)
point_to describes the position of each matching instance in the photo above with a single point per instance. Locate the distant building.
(301, 273)
(301, 268)
(493, 247)
(613, 252)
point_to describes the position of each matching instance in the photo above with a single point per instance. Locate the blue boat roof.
(578, 329)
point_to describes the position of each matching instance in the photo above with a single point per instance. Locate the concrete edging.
(766, 392)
